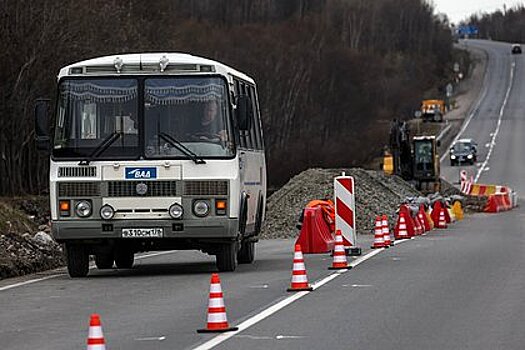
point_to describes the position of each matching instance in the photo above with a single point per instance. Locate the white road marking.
(20, 284)
(151, 338)
(92, 266)
(500, 117)
(254, 337)
(358, 285)
(262, 286)
(282, 304)
(280, 336)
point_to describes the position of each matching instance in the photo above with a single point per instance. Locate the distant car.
(463, 151)
(516, 49)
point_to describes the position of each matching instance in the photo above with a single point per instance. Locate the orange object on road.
(339, 261)
(299, 278)
(379, 242)
(217, 321)
(95, 339)
(316, 235)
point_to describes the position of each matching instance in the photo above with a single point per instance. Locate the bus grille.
(154, 189)
(89, 171)
(78, 189)
(206, 188)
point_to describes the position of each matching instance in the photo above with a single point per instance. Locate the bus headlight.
(83, 208)
(176, 211)
(201, 208)
(107, 212)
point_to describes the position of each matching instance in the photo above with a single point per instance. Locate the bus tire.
(246, 254)
(124, 258)
(243, 215)
(77, 258)
(104, 260)
(226, 258)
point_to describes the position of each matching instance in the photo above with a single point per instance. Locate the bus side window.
(256, 125)
(245, 137)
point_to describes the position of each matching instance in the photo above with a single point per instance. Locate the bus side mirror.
(42, 106)
(244, 112)
(438, 143)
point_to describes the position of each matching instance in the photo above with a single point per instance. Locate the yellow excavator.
(415, 159)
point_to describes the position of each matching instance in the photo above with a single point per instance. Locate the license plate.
(142, 232)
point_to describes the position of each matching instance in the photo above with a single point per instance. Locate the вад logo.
(141, 173)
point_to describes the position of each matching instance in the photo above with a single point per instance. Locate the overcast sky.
(458, 10)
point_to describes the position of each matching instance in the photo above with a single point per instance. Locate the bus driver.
(210, 126)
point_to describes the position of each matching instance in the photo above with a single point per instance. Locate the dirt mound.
(376, 194)
(25, 243)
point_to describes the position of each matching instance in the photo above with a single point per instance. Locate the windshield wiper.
(178, 145)
(104, 145)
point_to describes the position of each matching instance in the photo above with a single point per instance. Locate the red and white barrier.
(344, 192)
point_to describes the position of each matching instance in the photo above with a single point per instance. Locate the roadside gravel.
(376, 194)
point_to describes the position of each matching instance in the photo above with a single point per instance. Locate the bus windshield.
(193, 111)
(90, 111)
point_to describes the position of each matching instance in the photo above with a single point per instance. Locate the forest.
(502, 25)
(331, 74)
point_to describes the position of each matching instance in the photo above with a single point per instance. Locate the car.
(516, 49)
(463, 151)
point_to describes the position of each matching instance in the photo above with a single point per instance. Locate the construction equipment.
(415, 159)
(432, 110)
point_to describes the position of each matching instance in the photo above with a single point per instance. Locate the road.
(460, 288)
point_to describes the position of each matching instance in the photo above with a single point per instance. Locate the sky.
(457, 10)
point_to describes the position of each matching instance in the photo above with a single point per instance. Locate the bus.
(153, 151)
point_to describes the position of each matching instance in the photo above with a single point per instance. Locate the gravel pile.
(25, 246)
(376, 194)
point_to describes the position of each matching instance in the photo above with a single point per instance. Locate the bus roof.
(149, 63)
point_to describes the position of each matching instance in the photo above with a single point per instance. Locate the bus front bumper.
(213, 228)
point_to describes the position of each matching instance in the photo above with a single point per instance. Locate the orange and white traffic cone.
(339, 254)
(95, 339)
(386, 231)
(418, 227)
(401, 231)
(442, 223)
(379, 242)
(299, 278)
(421, 218)
(217, 321)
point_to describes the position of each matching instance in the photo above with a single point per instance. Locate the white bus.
(154, 151)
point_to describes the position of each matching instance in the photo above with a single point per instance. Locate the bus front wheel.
(77, 258)
(246, 254)
(226, 257)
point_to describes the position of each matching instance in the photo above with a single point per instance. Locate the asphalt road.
(500, 99)
(460, 288)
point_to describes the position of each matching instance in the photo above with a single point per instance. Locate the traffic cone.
(421, 218)
(442, 222)
(217, 321)
(95, 340)
(379, 242)
(386, 231)
(400, 231)
(339, 253)
(458, 210)
(299, 278)
(417, 223)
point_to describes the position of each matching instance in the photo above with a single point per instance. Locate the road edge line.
(61, 269)
(272, 309)
(500, 117)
